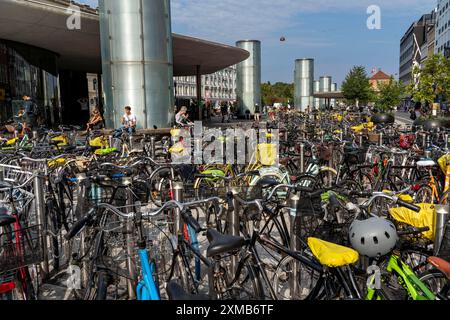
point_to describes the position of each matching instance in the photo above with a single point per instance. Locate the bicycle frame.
(146, 288)
(407, 279)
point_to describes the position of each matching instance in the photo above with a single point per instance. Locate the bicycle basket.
(20, 248)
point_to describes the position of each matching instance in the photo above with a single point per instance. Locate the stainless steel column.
(316, 101)
(333, 89)
(248, 81)
(325, 86)
(303, 83)
(136, 45)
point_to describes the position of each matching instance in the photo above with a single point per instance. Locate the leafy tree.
(431, 81)
(356, 86)
(389, 95)
(277, 93)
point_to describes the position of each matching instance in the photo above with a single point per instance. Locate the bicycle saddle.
(6, 220)
(268, 182)
(176, 292)
(219, 243)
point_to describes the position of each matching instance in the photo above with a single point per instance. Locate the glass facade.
(26, 70)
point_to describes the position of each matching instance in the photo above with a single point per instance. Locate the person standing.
(30, 112)
(129, 122)
(224, 111)
(257, 113)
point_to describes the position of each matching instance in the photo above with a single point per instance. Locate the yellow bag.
(105, 151)
(424, 218)
(267, 154)
(99, 142)
(443, 162)
(12, 141)
(57, 162)
(63, 140)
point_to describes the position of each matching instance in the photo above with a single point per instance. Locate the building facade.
(442, 33)
(219, 86)
(412, 45)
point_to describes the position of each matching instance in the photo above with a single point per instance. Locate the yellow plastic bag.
(424, 218)
(99, 142)
(267, 154)
(57, 162)
(12, 141)
(443, 162)
(63, 140)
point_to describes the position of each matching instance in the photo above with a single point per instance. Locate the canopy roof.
(42, 23)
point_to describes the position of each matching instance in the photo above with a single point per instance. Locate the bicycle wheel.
(424, 195)
(282, 280)
(437, 282)
(247, 287)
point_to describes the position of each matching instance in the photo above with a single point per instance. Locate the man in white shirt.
(129, 122)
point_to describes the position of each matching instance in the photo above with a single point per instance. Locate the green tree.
(389, 95)
(277, 93)
(356, 86)
(431, 81)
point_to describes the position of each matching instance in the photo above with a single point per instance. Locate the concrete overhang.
(43, 24)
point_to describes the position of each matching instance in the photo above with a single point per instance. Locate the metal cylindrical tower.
(303, 83)
(248, 77)
(325, 86)
(137, 59)
(333, 89)
(316, 101)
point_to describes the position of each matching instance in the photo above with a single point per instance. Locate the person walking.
(224, 111)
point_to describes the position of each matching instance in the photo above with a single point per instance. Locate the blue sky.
(333, 32)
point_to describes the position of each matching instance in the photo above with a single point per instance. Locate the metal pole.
(40, 213)
(381, 139)
(129, 231)
(234, 224)
(442, 216)
(35, 138)
(293, 205)
(360, 139)
(446, 141)
(302, 158)
(178, 196)
(152, 147)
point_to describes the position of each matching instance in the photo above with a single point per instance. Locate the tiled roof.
(380, 75)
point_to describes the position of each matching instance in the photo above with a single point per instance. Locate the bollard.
(39, 198)
(35, 136)
(110, 140)
(129, 231)
(130, 138)
(294, 201)
(234, 224)
(381, 139)
(441, 217)
(360, 136)
(178, 196)
(446, 141)
(302, 158)
(152, 147)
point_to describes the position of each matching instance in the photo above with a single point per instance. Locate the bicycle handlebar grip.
(77, 227)
(190, 220)
(408, 205)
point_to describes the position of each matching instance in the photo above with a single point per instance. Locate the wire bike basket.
(20, 248)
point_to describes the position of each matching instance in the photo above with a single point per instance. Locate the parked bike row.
(335, 207)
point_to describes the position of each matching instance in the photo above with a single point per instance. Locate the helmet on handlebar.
(373, 237)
